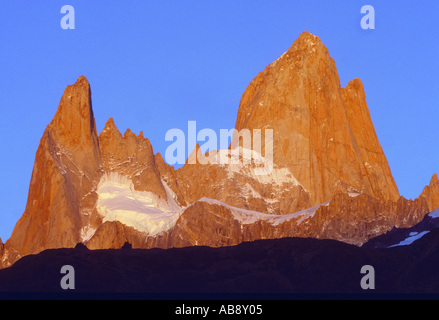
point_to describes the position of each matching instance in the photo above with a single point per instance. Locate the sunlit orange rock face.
(431, 193)
(354, 220)
(67, 168)
(322, 133)
(330, 178)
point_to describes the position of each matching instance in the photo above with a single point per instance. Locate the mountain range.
(330, 177)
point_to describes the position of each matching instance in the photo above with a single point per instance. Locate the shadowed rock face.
(330, 177)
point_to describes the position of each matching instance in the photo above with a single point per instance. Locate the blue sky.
(155, 65)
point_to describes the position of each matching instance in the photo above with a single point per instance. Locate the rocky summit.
(330, 178)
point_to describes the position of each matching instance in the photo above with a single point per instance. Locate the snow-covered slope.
(144, 211)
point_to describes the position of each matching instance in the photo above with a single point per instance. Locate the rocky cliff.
(62, 188)
(323, 134)
(329, 177)
(431, 193)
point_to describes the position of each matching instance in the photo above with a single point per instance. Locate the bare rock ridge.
(431, 193)
(324, 145)
(353, 220)
(67, 168)
(131, 156)
(374, 161)
(330, 178)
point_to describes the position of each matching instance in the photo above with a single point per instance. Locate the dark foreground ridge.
(280, 266)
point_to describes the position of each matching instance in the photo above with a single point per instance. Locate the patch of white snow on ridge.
(250, 163)
(434, 214)
(249, 216)
(87, 233)
(144, 211)
(412, 238)
(353, 194)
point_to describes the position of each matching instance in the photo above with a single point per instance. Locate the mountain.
(133, 199)
(324, 140)
(431, 193)
(323, 134)
(330, 177)
(327, 176)
(67, 167)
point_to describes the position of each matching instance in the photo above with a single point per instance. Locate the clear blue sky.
(155, 65)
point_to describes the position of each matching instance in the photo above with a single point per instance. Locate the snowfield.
(144, 211)
(412, 238)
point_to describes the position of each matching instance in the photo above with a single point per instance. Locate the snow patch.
(434, 214)
(353, 194)
(249, 216)
(412, 238)
(144, 211)
(253, 165)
